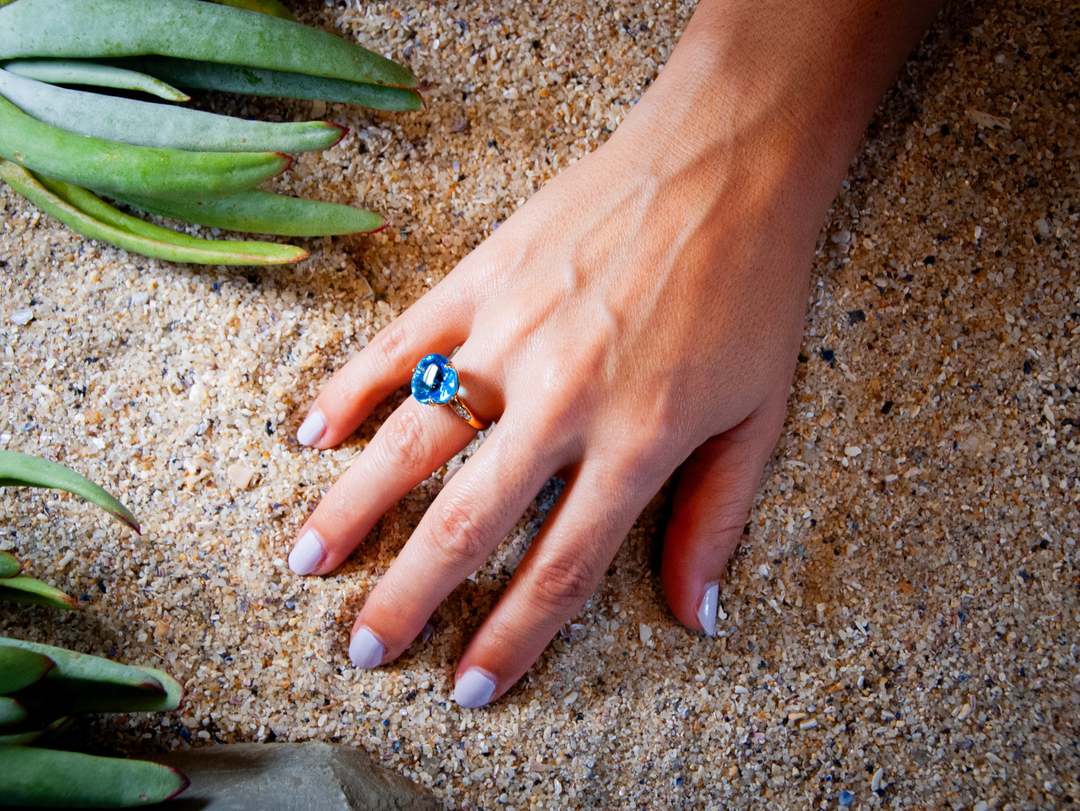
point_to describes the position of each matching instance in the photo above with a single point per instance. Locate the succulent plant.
(42, 687)
(25, 470)
(61, 148)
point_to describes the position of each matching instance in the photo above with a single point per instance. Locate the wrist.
(784, 88)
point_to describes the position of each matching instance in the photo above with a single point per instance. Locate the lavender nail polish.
(706, 612)
(474, 689)
(308, 554)
(365, 649)
(312, 429)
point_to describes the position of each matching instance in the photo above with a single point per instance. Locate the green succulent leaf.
(85, 214)
(26, 470)
(261, 212)
(101, 164)
(271, 7)
(21, 738)
(174, 690)
(84, 667)
(27, 590)
(275, 83)
(143, 123)
(191, 30)
(9, 566)
(29, 777)
(11, 712)
(79, 71)
(20, 668)
(84, 683)
(38, 736)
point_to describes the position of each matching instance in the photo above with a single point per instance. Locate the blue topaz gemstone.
(435, 380)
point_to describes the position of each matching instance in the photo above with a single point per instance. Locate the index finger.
(437, 322)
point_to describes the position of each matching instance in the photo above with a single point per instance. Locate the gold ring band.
(463, 411)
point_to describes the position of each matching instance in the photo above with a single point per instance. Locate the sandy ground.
(904, 613)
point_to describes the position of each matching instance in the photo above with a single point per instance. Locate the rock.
(311, 776)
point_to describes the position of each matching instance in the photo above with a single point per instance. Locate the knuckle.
(554, 404)
(407, 444)
(457, 532)
(632, 468)
(562, 585)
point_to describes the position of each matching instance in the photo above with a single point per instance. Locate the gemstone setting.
(435, 380)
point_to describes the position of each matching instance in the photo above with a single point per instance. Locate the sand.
(903, 615)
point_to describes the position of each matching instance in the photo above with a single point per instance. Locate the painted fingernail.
(312, 429)
(474, 689)
(308, 554)
(365, 649)
(706, 612)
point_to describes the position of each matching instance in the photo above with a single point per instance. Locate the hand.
(642, 312)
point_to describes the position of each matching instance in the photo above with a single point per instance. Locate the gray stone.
(291, 777)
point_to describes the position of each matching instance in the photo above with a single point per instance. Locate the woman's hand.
(641, 313)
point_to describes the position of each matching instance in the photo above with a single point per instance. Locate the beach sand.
(903, 614)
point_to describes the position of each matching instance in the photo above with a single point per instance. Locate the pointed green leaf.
(87, 215)
(21, 738)
(271, 7)
(29, 777)
(11, 711)
(9, 565)
(262, 212)
(275, 83)
(107, 28)
(20, 668)
(124, 168)
(26, 470)
(143, 123)
(80, 71)
(174, 691)
(27, 590)
(42, 737)
(83, 683)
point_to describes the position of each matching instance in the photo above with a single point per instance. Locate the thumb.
(716, 490)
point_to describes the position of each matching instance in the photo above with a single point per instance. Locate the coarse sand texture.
(900, 627)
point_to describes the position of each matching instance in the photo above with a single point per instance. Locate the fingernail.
(706, 612)
(474, 689)
(308, 554)
(365, 649)
(312, 429)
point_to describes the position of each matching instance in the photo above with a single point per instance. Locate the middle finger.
(470, 517)
(414, 441)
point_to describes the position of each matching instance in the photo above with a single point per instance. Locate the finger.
(414, 441)
(437, 322)
(470, 517)
(716, 490)
(561, 570)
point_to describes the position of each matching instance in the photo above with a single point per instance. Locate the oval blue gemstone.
(435, 380)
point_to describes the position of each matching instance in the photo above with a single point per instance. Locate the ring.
(435, 382)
